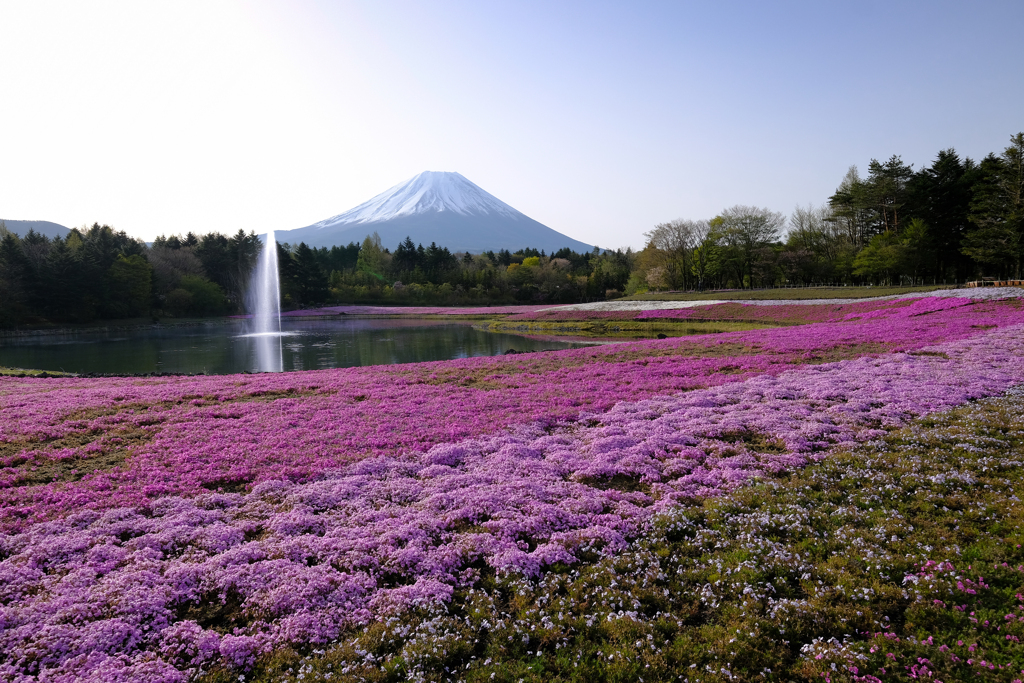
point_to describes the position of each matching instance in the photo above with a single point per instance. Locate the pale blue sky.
(597, 119)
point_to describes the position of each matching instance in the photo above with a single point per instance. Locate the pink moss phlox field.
(159, 590)
(186, 436)
(205, 433)
(742, 312)
(800, 313)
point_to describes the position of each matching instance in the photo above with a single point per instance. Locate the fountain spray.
(263, 299)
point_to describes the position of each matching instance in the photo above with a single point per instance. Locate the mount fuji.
(47, 228)
(440, 207)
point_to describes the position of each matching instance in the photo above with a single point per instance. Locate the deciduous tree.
(745, 230)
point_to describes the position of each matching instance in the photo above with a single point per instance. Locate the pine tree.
(997, 212)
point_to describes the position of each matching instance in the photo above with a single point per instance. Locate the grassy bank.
(789, 294)
(25, 372)
(898, 561)
(632, 329)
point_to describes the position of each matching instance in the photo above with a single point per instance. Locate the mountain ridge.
(48, 228)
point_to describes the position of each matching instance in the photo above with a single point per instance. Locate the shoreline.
(366, 311)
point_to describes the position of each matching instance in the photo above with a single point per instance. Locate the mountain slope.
(21, 228)
(440, 207)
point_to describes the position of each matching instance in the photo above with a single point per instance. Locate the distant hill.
(21, 228)
(439, 207)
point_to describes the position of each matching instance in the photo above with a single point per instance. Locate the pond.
(222, 347)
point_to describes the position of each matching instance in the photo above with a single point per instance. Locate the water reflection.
(267, 350)
(269, 353)
(220, 348)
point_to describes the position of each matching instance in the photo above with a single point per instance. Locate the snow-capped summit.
(435, 206)
(429, 191)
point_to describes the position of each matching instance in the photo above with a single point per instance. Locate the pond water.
(221, 347)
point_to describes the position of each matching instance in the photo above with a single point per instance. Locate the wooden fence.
(995, 283)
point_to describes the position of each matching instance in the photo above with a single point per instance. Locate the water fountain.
(263, 300)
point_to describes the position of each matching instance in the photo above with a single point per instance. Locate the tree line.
(414, 274)
(99, 273)
(948, 222)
